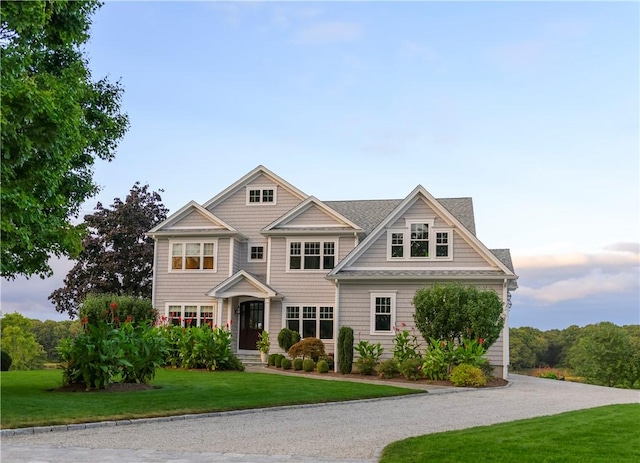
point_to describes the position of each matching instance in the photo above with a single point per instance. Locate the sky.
(531, 108)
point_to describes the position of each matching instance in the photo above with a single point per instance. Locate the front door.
(251, 324)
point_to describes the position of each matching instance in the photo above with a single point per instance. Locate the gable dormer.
(192, 219)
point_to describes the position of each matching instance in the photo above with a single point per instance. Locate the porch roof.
(243, 283)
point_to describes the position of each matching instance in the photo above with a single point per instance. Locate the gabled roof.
(248, 178)
(227, 287)
(442, 211)
(368, 213)
(283, 223)
(171, 224)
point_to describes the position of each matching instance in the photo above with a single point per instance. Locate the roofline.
(344, 276)
(191, 204)
(303, 206)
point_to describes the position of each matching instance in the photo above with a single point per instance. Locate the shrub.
(323, 366)
(438, 360)
(405, 345)
(115, 309)
(468, 375)
(297, 364)
(263, 344)
(329, 359)
(287, 338)
(312, 348)
(271, 360)
(308, 365)
(5, 361)
(388, 369)
(411, 369)
(278, 360)
(285, 363)
(366, 366)
(471, 352)
(345, 350)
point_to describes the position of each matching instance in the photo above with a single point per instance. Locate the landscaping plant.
(369, 355)
(312, 348)
(323, 366)
(405, 345)
(468, 375)
(287, 338)
(345, 350)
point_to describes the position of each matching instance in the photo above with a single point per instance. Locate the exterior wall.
(355, 311)
(313, 216)
(195, 219)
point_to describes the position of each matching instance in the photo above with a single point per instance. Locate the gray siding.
(195, 219)
(313, 216)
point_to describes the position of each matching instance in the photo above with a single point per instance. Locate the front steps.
(250, 359)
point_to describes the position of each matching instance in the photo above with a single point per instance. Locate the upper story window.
(258, 195)
(312, 255)
(420, 241)
(256, 253)
(192, 255)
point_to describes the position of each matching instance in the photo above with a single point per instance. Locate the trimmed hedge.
(345, 350)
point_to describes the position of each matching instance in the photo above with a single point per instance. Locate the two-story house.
(264, 255)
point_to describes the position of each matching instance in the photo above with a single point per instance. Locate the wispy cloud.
(330, 32)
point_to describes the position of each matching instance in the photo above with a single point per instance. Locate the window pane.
(192, 253)
(192, 263)
(175, 314)
(176, 256)
(419, 240)
(326, 329)
(419, 249)
(190, 315)
(383, 305)
(309, 329)
(208, 249)
(311, 262)
(293, 312)
(383, 322)
(397, 245)
(257, 252)
(254, 196)
(294, 325)
(312, 249)
(267, 196)
(312, 255)
(294, 262)
(328, 262)
(309, 312)
(442, 244)
(207, 263)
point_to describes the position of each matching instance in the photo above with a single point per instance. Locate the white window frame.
(301, 318)
(322, 255)
(170, 306)
(383, 294)
(201, 242)
(262, 190)
(406, 233)
(251, 245)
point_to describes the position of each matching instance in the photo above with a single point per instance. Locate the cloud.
(330, 32)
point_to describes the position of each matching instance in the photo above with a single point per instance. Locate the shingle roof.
(368, 213)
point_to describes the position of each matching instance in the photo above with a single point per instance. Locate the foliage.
(287, 338)
(49, 333)
(312, 348)
(20, 343)
(308, 365)
(468, 375)
(329, 359)
(285, 364)
(602, 354)
(263, 343)
(345, 350)
(411, 369)
(527, 347)
(5, 361)
(322, 366)
(453, 311)
(405, 345)
(56, 121)
(117, 255)
(369, 355)
(470, 352)
(271, 360)
(548, 373)
(438, 360)
(114, 309)
(388, 369)
(297, 364)
(278, 360)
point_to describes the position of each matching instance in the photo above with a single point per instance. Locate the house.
(264, 255)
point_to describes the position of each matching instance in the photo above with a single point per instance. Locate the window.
(312, 321)
(383, 312)
(256, 252)
(312, 255)
(419, 241)
(191, 314)
(193, 256)
(257, 195)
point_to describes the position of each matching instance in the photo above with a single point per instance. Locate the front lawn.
(29, 397)
(597, 435)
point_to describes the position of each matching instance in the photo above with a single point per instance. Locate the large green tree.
(20, 343)
(117, 256)
(56, 121)
(453, 312)
(527, 347)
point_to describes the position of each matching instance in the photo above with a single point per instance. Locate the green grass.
(604, 434)
(29, 399)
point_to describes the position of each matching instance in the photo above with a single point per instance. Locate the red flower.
(113, 306)
(85, 320)
(403, 324)
(480, 341)
(129, 319)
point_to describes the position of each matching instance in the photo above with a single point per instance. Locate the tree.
(49, 333)
(20, 343)
(117, 256)
(601, 354)
(454, 312)
(56, 121)
(527, 347)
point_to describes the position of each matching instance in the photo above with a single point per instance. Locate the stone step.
(250, 359)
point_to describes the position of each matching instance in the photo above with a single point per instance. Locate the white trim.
(372, 312)
(505, 331)
(186, 210)
(269, 260)
(154, 274)
(433, 269)
(261, 189)
(213, 304)
(200, 241)
(336, 326)
(310, 239)
(256, 244)
(343, 223)
(232, 245)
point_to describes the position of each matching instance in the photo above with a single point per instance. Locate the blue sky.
(530, 108)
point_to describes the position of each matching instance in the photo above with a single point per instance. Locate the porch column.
(220, 302)
(267, 312)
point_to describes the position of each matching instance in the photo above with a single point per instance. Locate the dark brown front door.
(251, 324)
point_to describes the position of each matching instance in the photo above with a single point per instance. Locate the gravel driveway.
(345, 432)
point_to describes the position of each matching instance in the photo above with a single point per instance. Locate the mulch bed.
(494, 382)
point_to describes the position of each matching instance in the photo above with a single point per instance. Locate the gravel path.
(345, 432)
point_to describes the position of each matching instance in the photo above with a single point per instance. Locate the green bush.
(297, 364)
(271, 360)
(5, 361)
(369, 356)
(345, 350)
(405, 345)
(388, 369)
(468, 375)
(312, 348)
(285, 363)
(287, 338)
(115, 309)
(411, 369)
(438, 360)
(366, 366)
(323, 366)
(308, 365)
